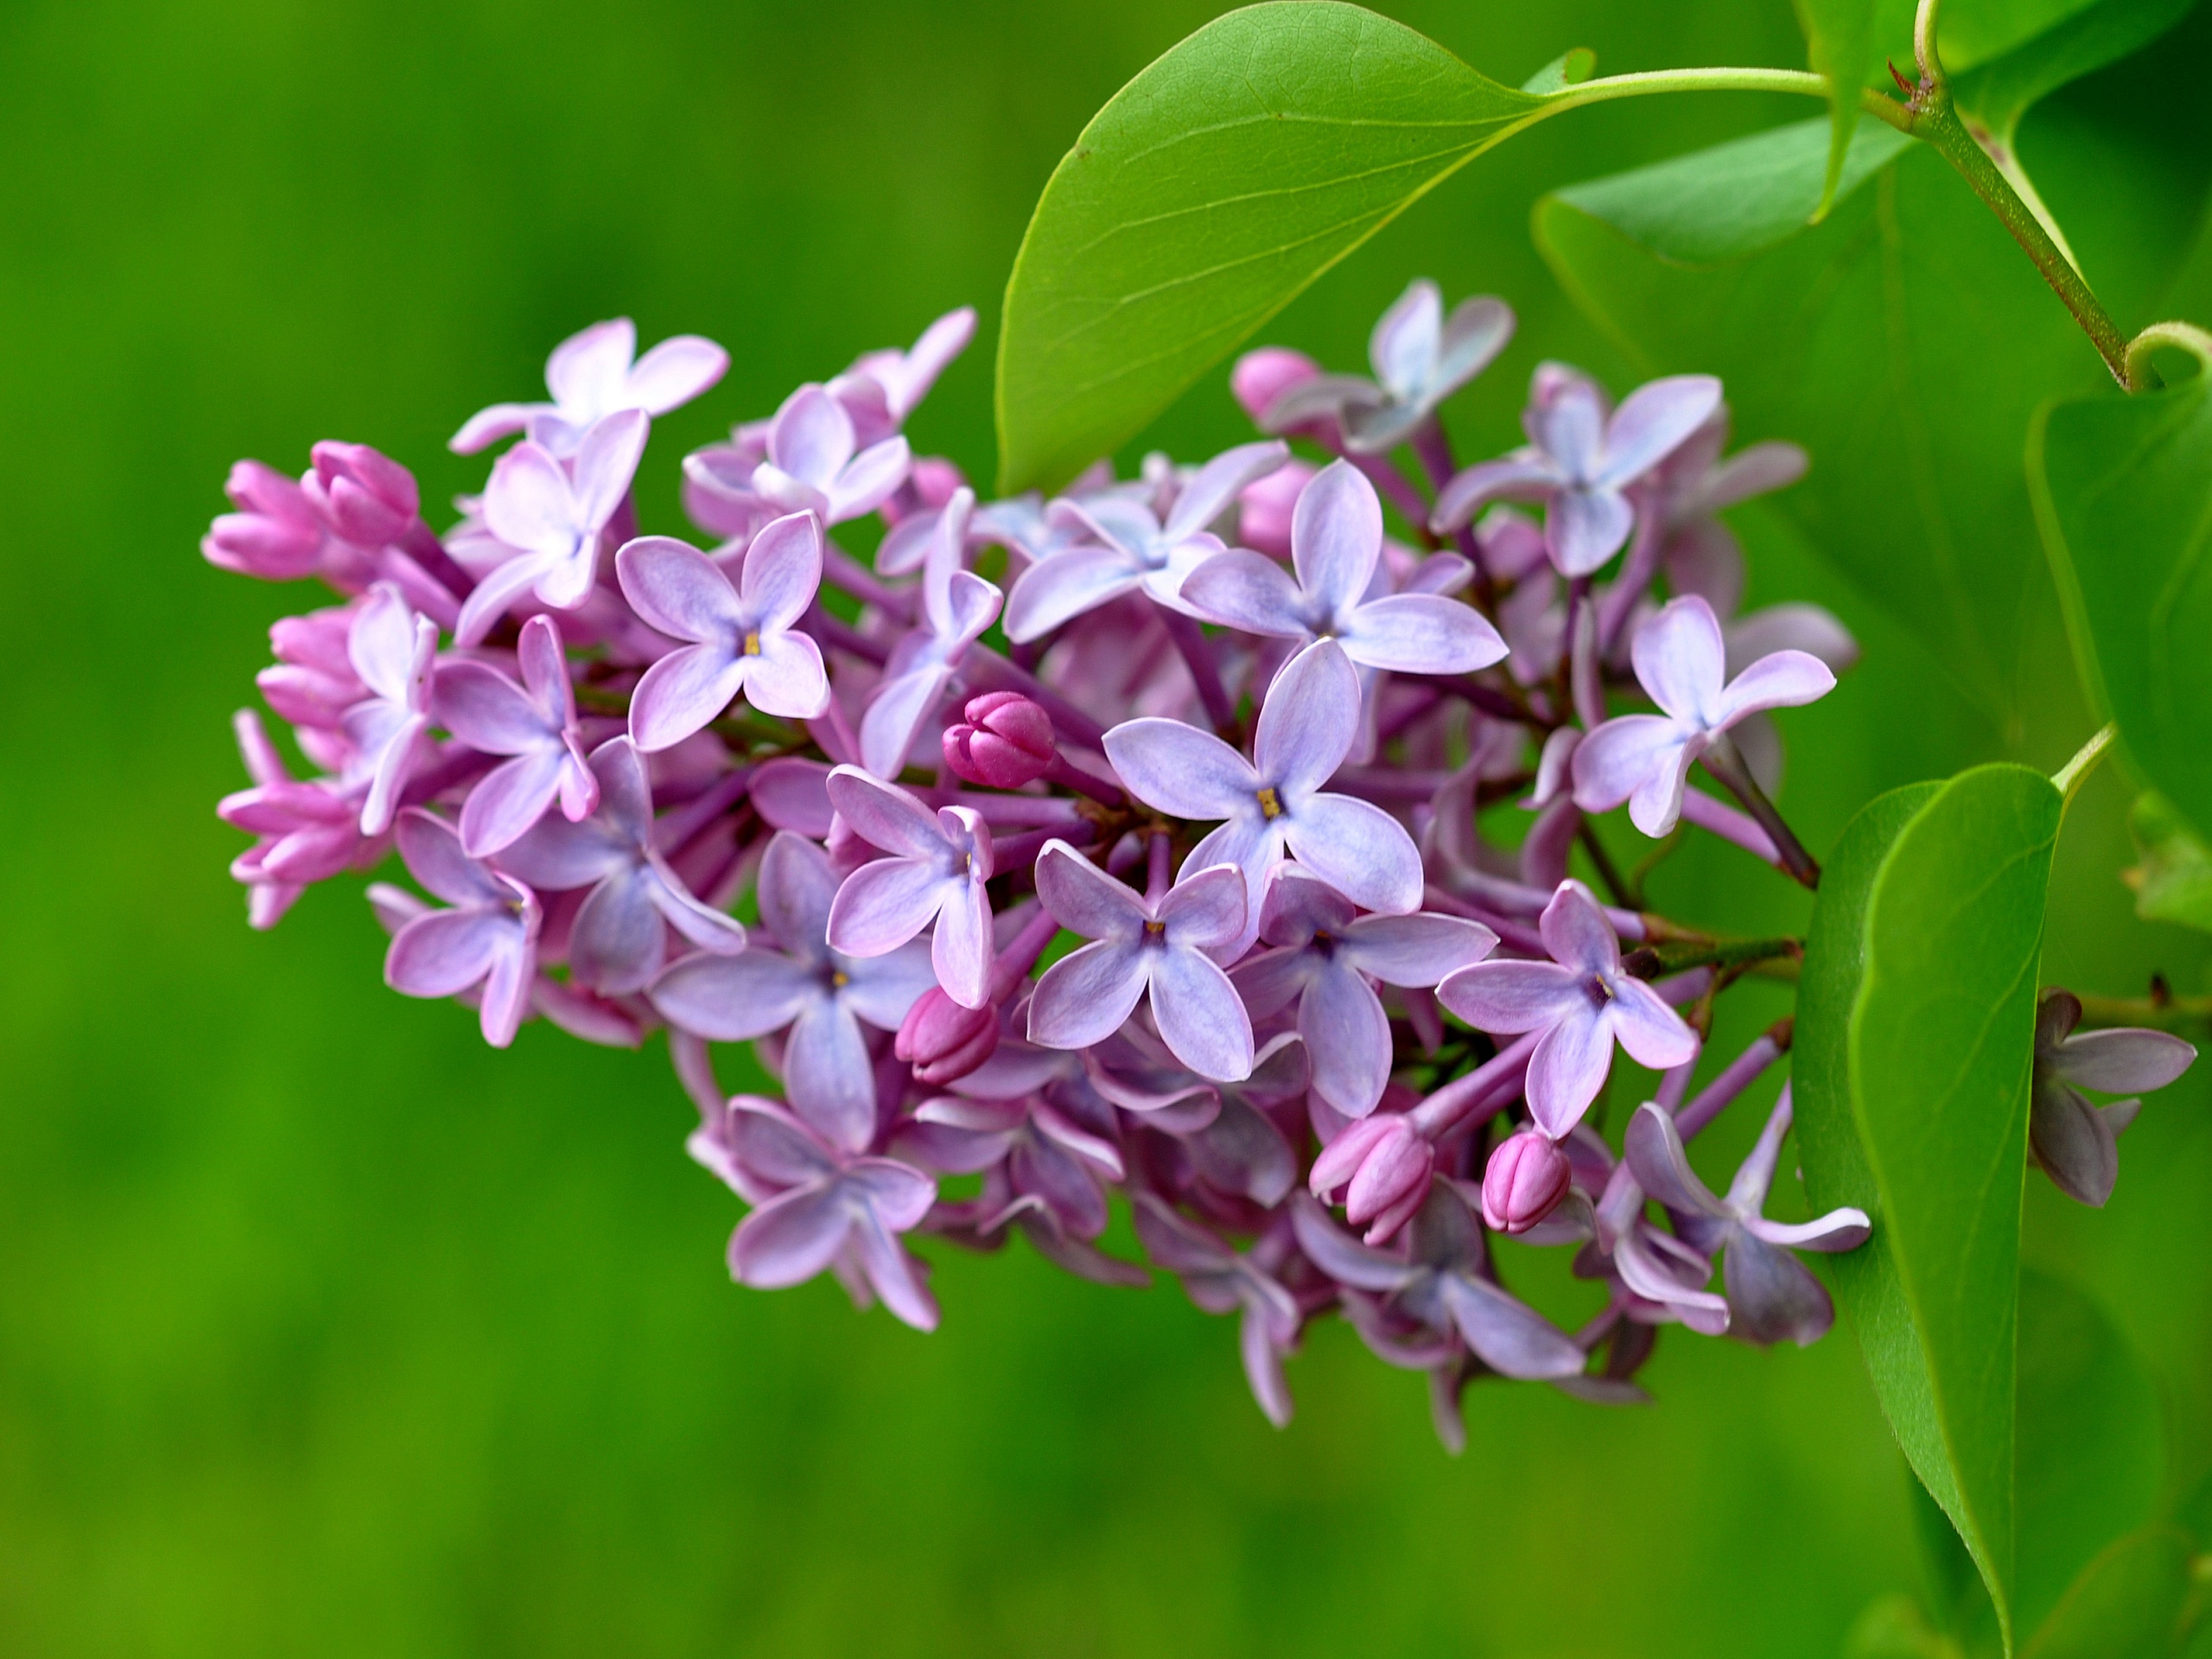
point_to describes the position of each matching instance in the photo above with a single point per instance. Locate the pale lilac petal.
(1084, 898)
(1406, 339)
(734, 999)
(890, 1273)
(1576, 932)
(1410, 950)
(1199, 1015)
(509, 799)
(895, 716)
(1513, 477)
(679, 590)
(829, 1075)
(1347, 1039)
(1242, 1151)
(1475, 333)
(783, 570)
(1335, 537)
(869, 479)
(394, 766)
(498, 589)
(1421, 633)
(1270, 979)
(545, 671)
(1359, 850)
(1175, 1243)
(1206, 908)
(790, 1239)
(883, 905)
(1066, 585)
(1782, 679)
(1299, 905)
(884, 815)
(585, 371)
(606, 461)
(1567, 415)
(787, 679)
(1641, 1269)
(1585, 527)
(446, 951)
(1088, 996)
(1839, 1229)
(1653, 1033)
(961, 949)
(435, 857)
(1246, 590)
(567, 583)
(812, 437)
(791, 793)
(1041, 1167)
(1329, 1247)
(618, 941)
(899, 1194)
(1507, 1335)
(1504, 998)
(487, 426)
(674, 372)
(1306, 727)
(1772, 1296)
(1758, 470)
(2129, 1059)
(683, 693)
(1794, 626)
(972, 604)
(1680, 659)
(382, 644)
(1651, 423)
(1208, 495)
(1181, 771)
(1654, 1149)
(508, 988)
(1251, 844)
(772, 1143)
(1566, 1071)
(556, 856)
(1624, 756)
(882, 990)
(1263, 1365)
(697, 920)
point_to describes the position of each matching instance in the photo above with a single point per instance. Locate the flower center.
(753, 644)
(1155, 932)
(839, 978)
(1270, 803)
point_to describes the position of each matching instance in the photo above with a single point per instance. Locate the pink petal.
(1653, 1033)
(1576, 932)
(883, 905)
(606, 461)
(487, 426)
(782, 570)
(812, 438)
(509, 799)
(1506, 997)
(585, 371)
(890, 1272)
(1199, 1015)
(1567, 1069)
(674, 372)
(790, 1239)
(1404, 344)
(527, 503)
(1623, 756)
(788, 678)
(1084, 898)
(961, 949)
(886, 816)
(1655, 1152)
(868, 481)
(1306, 727)
(444, 952)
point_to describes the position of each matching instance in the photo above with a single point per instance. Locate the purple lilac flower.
(619, 938)
(821, 996)
(826, 1206)
(591, 375)
(937, 865)
(1581, 999)
(553, 517)
(489, 938)
(1771, 1295)
(535, 723)
(392, 652)
(1421, 357)
(1700, 554)
(811, 466)
(1580, 463)
(1324, 955)
(304, 832)
(1129, 548)
(1139, 947)
(1048, 1156)
(1644, 760)
(1524, 1181)
(1273, 803)
(1220, 1281)
(1335, 541)
(1379, 1167)
(2077, 1143)
(742, 639)
(957, 605)
(883, 388)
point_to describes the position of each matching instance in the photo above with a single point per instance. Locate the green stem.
(2177, 336)
(1606, 88)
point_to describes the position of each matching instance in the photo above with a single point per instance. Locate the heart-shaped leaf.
(2126, 1604)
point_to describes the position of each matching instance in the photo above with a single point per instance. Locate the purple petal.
(1243, 590)
(1652, 421)
(434, 856)
(1421, 633)
(2127, 1059)
(674, 372)
(734, 999)
(445, 952)
(1306, 728)
(1299, 905)
(1782, 679)
(1510, 1338)
(1801, 627)
(1205, 909)
(812, 438)
(1088, 996)
(1576, 932)
(1840, 1230)
(890, 1273)
(783, 570)
(1181, 771)
(1653, 1033)
(679, 590)
(1419, 949)
(1679, 660)
(1084, 898)
(1771, 1296)
(884, 815)
(1643, 757)
(1585, 527)
(697, 921)
(1347, 1037)
(509, 799)
(494, 593)
(1242, 1151)
(772, 1144)
(829, 1075)
(1269, 979)
(606, 461)
(895, 716)
(487, 426)
(1335, 537)
(1338, 1254)
(1199, 1015)
(961, 949)
(790, 1239)
(884, 904)
(882, 990)
(684, 693)
(899, 1194)
(527, 503)
(618, 941)
(1207, 495)
(1654, 1151)
(1359, 850)
(1567, 1069)
(1403, 347)
(1065, 586)
(787, 679)
(587, 369)
(868, 481)
(1263, 1364)
(1507, 997)
(1513, 477)
(791, 794)
(1475, 333)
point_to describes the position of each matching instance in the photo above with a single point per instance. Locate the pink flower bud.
(1261, 377)
(935, 479)
(943, 1040)
(1264, 510)
(273, 535)
(1383, 1163)
(366, 497)
(1527, 1177)
(1005, 741)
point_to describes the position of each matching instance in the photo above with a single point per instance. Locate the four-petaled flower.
(1580, 463)
(618, 942)
(1770, 1295)
(392, 651)
(591, 376)
(957, 605)
(822, 995)
(1336, 541)
(938, 864)
(883, 388)
(1274, 801)
(489, 938)
(1128, 547)
(742, 640)
(828, 1206)
(1137, 947)
(553, 515)
(1581, 999)
(810, 466)
(2076, 1142)
(1682, 662)
(535, 723)
(1421, 357)
(1325, 952)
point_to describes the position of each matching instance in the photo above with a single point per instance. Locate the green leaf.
(2125, 1605)
(1994, 95)
(2173, 882)
(1736, 199)
(2091, 1449)
(1917, 1014)
(1895, 1628)
(1840, 44)
(1569, 69)
(1206, 195)
(2123, 495)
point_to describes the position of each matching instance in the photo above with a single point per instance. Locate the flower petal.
(961, 948)
(1087, 995)
(618, 941)
(1359, 850)
(1655, 1152)
(1770, 1295)
(1653, 1033)
(1403, 347)
(1243, 590)
(2127, 1059)
(1181, 771)
(1347, 1039)
(1507, 1335)
(674, 372)
(679, 590)
(509, 799)
(829, 1075)
(1421, 633)
(1419, 949)
(527, 503)
(1567, 1069)
(684, 693)
(1200, 1017)
(783, 571)
(1584, 527)
(1652, 421)
(883, 814)
(884, 904)
(890, 1272)
(1306, 727)
(1208, 495)
(1056, 589)
(788, 678)
(790, 1239)
(1526, 477)
(734, 999)
(1206, 908)
(1335, 537)
(1504, 998)
(445, 952)
(606, 461)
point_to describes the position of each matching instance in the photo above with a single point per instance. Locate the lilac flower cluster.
(1213, 847)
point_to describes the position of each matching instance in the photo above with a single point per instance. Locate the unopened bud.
(1005, 741)
(1527, 1178)
(366, 497)
(1261, 377)
(935, 479)
(943, 1040)
(1264, 509)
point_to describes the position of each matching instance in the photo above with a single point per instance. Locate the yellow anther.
(1270, 804)
(753, 645)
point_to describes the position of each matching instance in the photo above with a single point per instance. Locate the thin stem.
(1725, 763)
(2167, 1013)
(1491, 1084)
(1205, 672)
(2177, 336)
(1157, 874)
(2071, 776)
(1739, 1075)
(1068, 775)
(1608, 872)
(1606, 88)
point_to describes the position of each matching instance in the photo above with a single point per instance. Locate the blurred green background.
(325, 1330)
